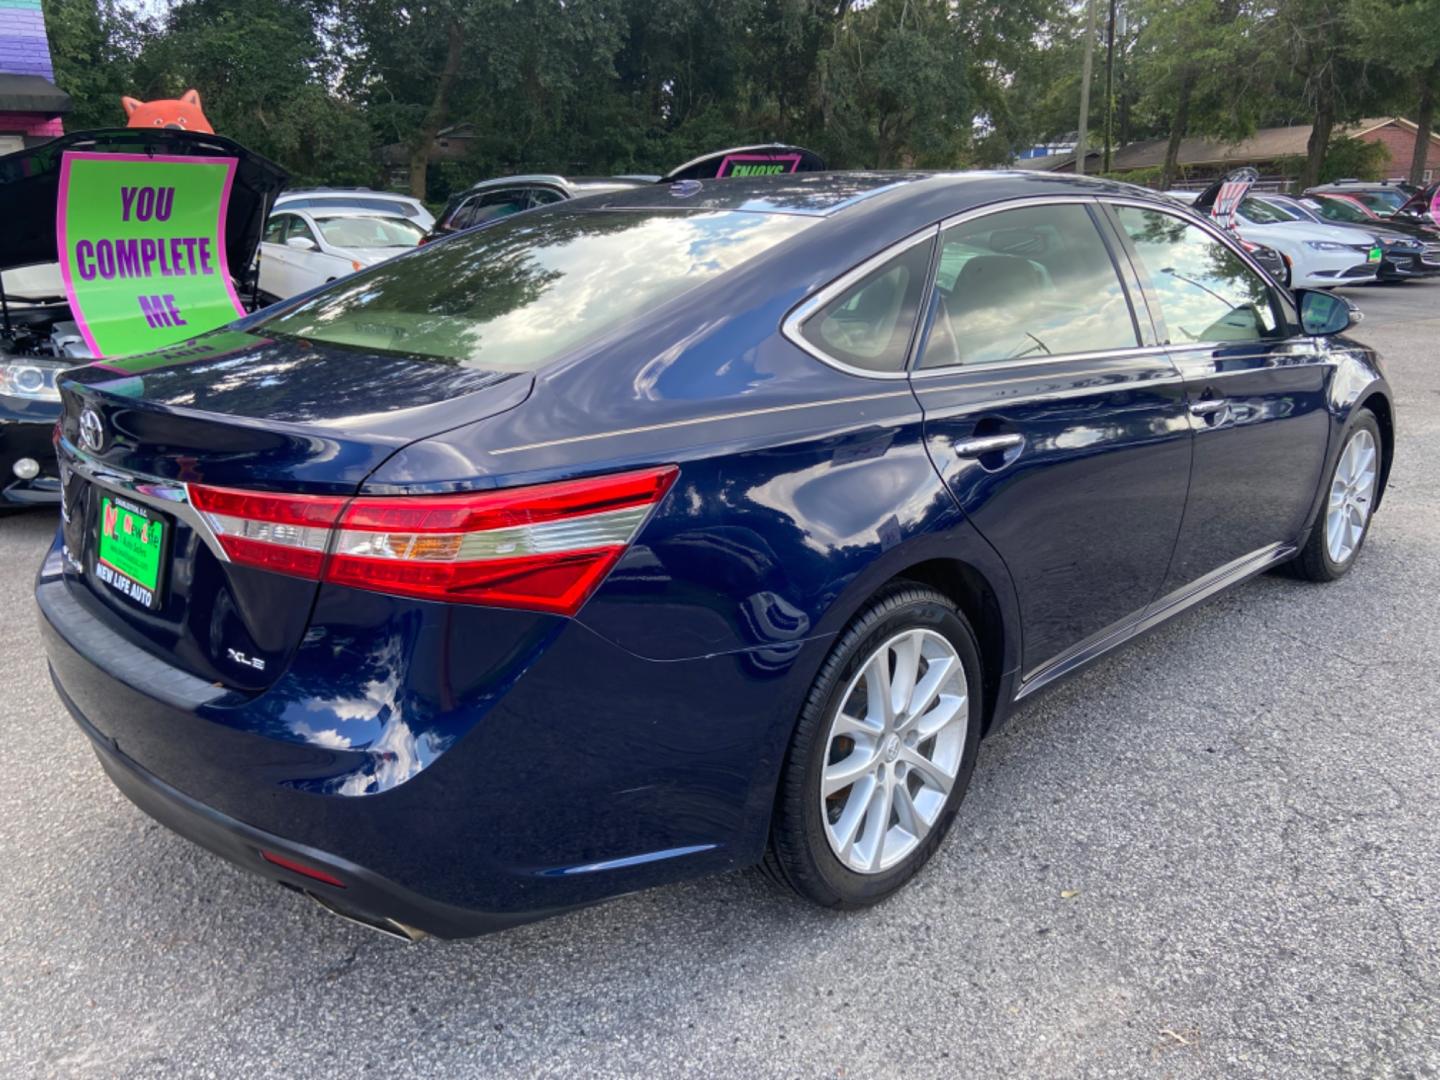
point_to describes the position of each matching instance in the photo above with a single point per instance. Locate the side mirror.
(301, 243)
(1322, 314)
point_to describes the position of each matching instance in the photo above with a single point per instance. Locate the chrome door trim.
(1182, 599)
(1137, 351)
(792, 323)
(155, 491)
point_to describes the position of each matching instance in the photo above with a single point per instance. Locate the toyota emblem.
(92, 430)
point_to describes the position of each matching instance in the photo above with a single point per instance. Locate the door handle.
(988, 444)
(1208, 408)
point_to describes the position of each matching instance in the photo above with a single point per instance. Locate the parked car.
(1316, 256)
(1421, 207)
(1270, 260)
(305, 248)
(1407, 251)
(1346, 209)
(502, 196)
(325, 199)
(39, 336)
(506, 195)
(1385, 197)
(680, 529)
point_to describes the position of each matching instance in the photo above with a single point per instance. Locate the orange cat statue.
(183, 113)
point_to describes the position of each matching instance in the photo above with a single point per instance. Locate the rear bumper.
(25, 432)
(364, 893)
(564, 788)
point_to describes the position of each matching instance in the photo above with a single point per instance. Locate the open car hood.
(30, 188)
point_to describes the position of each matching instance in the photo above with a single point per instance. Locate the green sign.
(142, 248)
(131, 543)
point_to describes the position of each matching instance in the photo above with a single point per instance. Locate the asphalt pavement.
(1215, 853)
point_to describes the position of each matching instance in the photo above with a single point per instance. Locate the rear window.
(521, 292)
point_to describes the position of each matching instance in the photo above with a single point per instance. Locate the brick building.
(30, 103)
(1275, 152)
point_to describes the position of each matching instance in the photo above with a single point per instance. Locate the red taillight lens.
(543, 548)
(285, 533)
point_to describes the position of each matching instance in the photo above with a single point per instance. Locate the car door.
(308, 267)
(1055, 419)
(274, 258)
(1255, 390)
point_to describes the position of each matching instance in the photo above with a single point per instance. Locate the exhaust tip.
(388, 927)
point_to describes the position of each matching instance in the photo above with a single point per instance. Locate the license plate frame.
(130, 562)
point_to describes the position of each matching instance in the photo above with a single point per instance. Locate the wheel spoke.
(851, 726)
(848, 769)
(940, 717)
(878, 823)
(844, 831)
(928, 690)
(907, 813)
(877, 687)
(907, 671)
(932, 774)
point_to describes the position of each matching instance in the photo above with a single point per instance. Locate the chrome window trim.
(790, 327)
(1137, 352)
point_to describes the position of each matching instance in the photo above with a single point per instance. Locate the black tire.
(1314, 563)
(799, 855)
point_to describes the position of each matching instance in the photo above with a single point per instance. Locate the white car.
(1316, 256)
(305, 248)
(385, 202)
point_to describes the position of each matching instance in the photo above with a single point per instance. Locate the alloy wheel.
(894, 750)
(1352, 497)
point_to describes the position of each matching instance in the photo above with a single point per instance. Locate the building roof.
(32, 93)
(1267, 144)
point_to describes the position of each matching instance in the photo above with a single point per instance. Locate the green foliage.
(1344, 158)
(601, 86)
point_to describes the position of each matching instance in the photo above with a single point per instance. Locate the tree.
(93, 44)
(1406, 34)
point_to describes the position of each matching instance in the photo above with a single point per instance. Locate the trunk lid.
(231, 409)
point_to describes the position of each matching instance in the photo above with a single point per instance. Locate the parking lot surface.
(1214, 853)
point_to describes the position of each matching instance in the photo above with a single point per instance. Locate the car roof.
(344, 193)
(576, 184)
(827, 194)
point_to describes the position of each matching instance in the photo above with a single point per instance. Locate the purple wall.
(24, 49)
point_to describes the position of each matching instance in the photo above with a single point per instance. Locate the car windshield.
(516, 294)
(1260, 213)
(1382, 202)
(1340, 210)
(365, 231)
(1290, 210)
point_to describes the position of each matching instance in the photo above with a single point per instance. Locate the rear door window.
(869, 325)
(275, 229)
(1031, 282)
(1206, 291)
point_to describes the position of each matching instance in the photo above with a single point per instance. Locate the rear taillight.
(544, 548)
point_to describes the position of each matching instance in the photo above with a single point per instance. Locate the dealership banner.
(142, 248)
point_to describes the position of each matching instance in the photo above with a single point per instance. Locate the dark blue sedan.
(680, 529)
